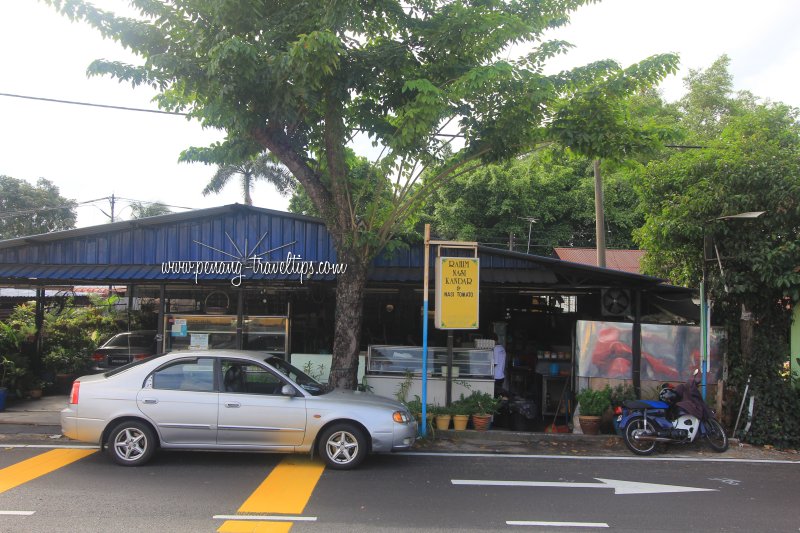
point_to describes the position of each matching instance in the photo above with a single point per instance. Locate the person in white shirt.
(499, 363)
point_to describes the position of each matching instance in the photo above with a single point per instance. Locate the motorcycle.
(678, 417)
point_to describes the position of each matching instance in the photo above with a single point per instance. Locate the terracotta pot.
(35, 394)
(481, 422)
(590, 425)
(460, 422)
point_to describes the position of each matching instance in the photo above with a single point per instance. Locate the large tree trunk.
(347, 334)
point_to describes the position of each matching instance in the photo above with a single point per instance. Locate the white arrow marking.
(555, 524)
(619, 486)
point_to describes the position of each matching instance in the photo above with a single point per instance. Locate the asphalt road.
(231, 492)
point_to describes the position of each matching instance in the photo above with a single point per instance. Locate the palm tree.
(148, 209)
(263, 166)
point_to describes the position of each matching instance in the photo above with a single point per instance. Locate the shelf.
(397, 360)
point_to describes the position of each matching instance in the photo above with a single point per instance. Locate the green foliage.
(750, 161)
(40, 208)
(621, 393)
(404, 386)
(594, 402)
(553, 186)
(479, 403)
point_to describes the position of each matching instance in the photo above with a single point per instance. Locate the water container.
(554, 369)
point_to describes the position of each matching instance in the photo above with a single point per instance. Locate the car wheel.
(131, 443)
(343, 446)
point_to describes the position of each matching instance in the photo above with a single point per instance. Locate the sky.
(92, 153)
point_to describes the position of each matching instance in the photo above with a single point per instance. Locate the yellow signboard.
(457, 281)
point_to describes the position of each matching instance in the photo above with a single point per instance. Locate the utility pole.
(598, 214)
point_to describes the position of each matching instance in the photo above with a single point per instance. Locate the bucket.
(3, 394)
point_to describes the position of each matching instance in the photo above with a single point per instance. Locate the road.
(53, 490)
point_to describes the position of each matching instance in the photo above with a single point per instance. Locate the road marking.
(50, 446)
(600, 458)
(40, 465)
(619, 486)
(284, 518)
(17, 513)
(286, 490)
(554, 524)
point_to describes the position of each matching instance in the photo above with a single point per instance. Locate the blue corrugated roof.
(134, 251)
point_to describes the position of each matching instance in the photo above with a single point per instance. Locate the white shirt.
(499, 362)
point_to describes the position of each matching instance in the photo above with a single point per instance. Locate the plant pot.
(590, 425)
(481, 422)
(443, 421)
(3, 395)
(460, 422)
(35, 394)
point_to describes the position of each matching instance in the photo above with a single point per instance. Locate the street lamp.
(705, 310)
(530, 220)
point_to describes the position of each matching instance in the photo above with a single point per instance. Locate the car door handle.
(149, 400)
(232, 404)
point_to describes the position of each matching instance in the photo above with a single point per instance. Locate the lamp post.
(705, 308)
(530, 221)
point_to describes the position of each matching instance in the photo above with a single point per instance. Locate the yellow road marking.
(40, 465)
(286, 490)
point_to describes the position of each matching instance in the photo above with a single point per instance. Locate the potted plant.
(443, 416)
(461, 410)
(592, 403)
(36, 388)
(484, 406)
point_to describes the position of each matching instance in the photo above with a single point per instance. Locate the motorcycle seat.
(645, 404)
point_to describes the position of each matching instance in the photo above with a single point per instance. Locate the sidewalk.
(39, 420)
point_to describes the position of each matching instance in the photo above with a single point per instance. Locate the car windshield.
(308, 383)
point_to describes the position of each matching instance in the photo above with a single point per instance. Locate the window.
(239, 376)
(195, 375)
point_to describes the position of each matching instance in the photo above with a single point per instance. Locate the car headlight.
(401, 417)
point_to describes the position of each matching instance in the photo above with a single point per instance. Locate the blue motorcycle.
(678, 417)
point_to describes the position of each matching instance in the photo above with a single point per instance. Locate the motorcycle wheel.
(646, 447)
(715, 435)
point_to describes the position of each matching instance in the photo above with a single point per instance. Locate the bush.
(594, 402)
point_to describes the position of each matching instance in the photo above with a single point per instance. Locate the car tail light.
(618, 410)
(98, 357)
(140, 356)
(76, 389)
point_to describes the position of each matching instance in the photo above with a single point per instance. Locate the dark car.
(124, 348)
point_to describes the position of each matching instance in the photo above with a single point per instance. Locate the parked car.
(230, 400)
(124, 348)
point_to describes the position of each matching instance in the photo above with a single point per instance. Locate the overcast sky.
(91, 153)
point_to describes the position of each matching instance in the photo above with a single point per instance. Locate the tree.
(413, 76)
(148, 209)
(553, 186)
(30, 210)
(750, 161)
(261, 167)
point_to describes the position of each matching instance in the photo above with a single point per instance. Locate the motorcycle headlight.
(401, 417)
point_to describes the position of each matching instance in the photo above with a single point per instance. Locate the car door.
(181, 400)
(252, 410)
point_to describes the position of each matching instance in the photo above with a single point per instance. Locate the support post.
(425, 275)
(448, 382)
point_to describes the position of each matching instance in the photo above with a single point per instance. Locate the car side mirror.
(288, 390)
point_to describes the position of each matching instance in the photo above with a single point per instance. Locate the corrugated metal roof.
(135, 252)
(624, 260)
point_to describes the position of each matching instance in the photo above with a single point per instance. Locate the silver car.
(230, 400)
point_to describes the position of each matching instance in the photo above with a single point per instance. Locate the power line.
(89, 104)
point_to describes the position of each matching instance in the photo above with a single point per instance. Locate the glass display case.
(397, 360)
(203, 332)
